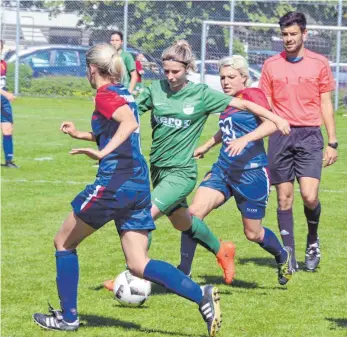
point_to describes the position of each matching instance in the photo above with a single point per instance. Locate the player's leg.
(268, 240)
(196, 231)
(162, 200)
(308, 169)
(282, 175)
(251, 191)
(133, 226)
(89, 214)
(312, 208)
(72, 232)
(211, 193)
(134, 244)
(7, 131)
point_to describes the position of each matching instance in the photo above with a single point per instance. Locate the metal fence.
(70, 27)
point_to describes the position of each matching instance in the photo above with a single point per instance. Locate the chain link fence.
(53, 36)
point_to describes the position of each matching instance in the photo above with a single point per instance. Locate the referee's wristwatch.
(333, 145)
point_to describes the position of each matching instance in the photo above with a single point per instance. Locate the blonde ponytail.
(109, 64)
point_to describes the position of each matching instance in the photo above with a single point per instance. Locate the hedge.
(59, 86)
(25, 76)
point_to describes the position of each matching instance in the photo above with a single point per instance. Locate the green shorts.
(171, 186)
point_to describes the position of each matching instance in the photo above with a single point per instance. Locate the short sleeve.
(326, 79)
(265, 81)
(144, 101)
(130, 63)
(214, 100)
(107, 102)
(257, 96)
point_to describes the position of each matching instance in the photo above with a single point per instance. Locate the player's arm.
(131, 68)
(70, 129)
(201, 150)
(144, 101)
(266, 128)
(133, 81)
(281, 124)
(330, 154)
(127, 125)
(7, 94)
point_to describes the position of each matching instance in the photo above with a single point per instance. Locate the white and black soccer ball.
(130, 290)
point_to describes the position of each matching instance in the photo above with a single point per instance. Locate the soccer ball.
(130, 290)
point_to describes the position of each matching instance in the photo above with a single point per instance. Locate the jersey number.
(226, 125)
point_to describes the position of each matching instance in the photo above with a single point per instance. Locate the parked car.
(212, 74)
(342, 74)
(52, 60)
(64, 60)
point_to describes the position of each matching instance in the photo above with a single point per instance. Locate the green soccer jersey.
(130, 66)
(178, 119)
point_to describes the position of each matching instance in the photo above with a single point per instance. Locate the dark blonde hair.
(109, 64)
(181, 52)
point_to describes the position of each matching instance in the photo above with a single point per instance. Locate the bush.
(59, 86)
(25, 76)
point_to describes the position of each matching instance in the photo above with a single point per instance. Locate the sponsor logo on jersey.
(188, 108)
(173, 122)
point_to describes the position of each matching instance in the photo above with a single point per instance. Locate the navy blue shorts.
(249, 187)
(129, 208)
(298, 155)
(6, 110)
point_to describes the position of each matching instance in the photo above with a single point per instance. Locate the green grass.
(35, 201)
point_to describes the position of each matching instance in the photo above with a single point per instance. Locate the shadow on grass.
(339, 322)
(101, 321)
(208, 279)
(97, 288)
(159, 290)
(266, 262)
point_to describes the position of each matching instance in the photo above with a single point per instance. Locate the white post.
(125, 30)
(203, 51)
(16, 69)
(231, 29)
(338, 55)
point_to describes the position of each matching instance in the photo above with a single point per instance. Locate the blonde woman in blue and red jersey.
(121, 192)
(6, 115)
(241, 168)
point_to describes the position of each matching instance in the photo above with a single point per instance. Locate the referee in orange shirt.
(298, 85)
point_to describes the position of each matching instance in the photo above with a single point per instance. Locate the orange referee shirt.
(295, 88)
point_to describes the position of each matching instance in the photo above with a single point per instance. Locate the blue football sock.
(272, 245)
(67, 282)
(171, 278)
(7, 144)
(188, 247)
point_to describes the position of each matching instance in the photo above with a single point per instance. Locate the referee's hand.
(330, 156)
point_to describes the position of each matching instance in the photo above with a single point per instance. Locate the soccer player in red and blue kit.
(241, 168)
(6, 115)
(121, 192)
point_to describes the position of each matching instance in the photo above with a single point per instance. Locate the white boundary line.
(72, 182)
(60, 182)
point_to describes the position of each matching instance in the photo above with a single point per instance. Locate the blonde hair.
(238, 63)
(109, 64)
(180, 51)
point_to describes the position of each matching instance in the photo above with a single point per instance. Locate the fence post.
(231, 29)
(338, 55)
(16, 69)
(125, 30)
(203, 52)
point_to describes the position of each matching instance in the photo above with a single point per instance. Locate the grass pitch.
(35, 201)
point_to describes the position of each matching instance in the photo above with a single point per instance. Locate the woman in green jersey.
(179, 110)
